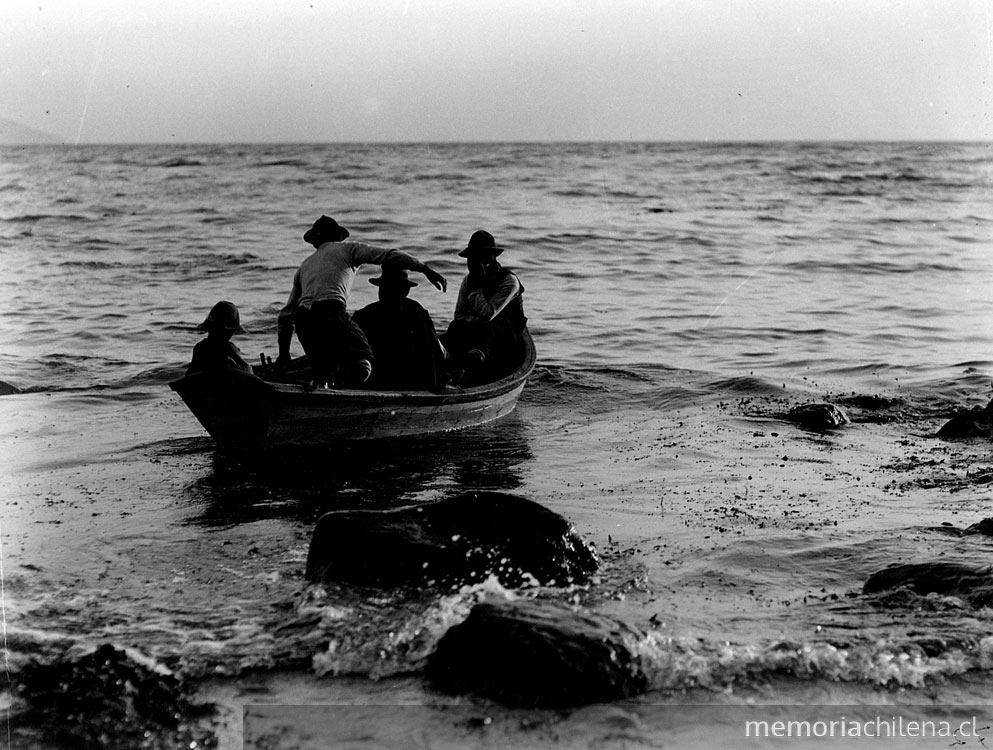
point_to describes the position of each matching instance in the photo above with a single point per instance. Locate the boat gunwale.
(298, 391)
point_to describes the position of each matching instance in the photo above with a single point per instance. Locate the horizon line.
(494, 142)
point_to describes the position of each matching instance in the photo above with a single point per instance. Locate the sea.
(683, 298)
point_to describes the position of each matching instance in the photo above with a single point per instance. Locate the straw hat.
(222, 317)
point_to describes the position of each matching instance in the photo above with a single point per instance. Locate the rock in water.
(538, 654)
(461, 539)
(110, 699)
(947, 578)
(818, 416)
(976, 422)
(982, 528)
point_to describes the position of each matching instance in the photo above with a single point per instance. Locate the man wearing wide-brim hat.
(489, 321)
(317, 308)
(400, 331)
(217, 351)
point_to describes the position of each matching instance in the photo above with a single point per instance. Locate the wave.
(672, 666)
(395, 635)
(180, 161)
(746, 384)
(442, 177)
(686, 664)
(221, 220)
(93, 265)
(296, 163)
(864, 177)
(35, 218)
(864, 267)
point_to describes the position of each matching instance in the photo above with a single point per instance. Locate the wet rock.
(818, 416)
(976, 422)
(462, 539)
(110, 699)
(538, 654)
(6, 389)
(983, 528)
(980, 528)
(974, 583)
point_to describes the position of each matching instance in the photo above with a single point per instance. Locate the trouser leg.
(313, 335)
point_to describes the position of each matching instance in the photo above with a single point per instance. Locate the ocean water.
(682, 298)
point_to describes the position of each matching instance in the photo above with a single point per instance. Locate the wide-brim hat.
(325, 229)
(481, 243)
(393, 277)
(223, 316)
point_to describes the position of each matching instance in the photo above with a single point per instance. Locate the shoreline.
(723, 474)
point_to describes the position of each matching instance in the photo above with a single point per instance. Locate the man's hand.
(435, 278)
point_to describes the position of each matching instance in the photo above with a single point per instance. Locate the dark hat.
(222, 317)
(392, 276)
(481, 242)
(325, 229)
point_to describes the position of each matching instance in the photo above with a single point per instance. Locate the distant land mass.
(15, 134)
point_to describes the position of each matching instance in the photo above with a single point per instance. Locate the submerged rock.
(111, 699)
(818, 416)
(980, 528)
(971, 582)
(538, 654)
(462, 539)
(976, 422)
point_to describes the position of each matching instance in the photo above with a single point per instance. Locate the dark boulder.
(818, 416)
(981, 528)
(461, 539)
(538, 654)
(975, 422)
(971, 582)
(110, 699)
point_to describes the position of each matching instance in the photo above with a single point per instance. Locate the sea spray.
(405, 632)
(684, 664)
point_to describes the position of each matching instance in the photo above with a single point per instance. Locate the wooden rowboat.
(261, 412)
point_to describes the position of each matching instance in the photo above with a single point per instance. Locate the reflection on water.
(303, 484)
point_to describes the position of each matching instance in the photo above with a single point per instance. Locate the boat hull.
(245, 412)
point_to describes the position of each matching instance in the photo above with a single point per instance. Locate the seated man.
(485, 336)
(407, 354)
(216, 352)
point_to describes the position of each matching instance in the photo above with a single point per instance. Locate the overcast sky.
(471, 70)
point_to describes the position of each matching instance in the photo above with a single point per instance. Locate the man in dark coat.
(485, 336)
(406, 348)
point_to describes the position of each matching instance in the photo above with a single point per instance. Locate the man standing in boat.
(489, 313)
(336, 347)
